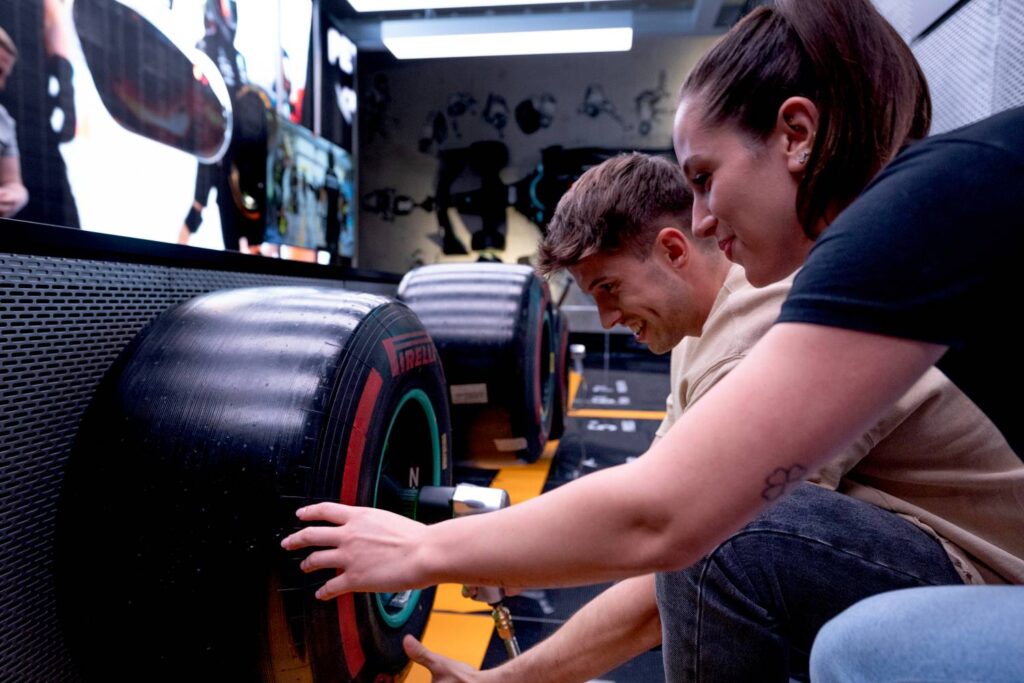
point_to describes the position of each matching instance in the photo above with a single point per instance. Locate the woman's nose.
(703, 226)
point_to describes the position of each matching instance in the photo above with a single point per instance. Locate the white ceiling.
(650, 17)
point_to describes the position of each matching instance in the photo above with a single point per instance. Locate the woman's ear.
(797, 125)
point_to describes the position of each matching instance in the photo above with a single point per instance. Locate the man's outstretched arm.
(611, 629)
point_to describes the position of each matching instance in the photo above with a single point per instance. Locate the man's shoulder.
(742, 315)
(746, 305)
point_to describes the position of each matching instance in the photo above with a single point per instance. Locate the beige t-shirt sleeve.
(672, 411)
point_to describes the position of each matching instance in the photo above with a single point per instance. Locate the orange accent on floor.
(526, 480)
(464, 637)
(449, 599)
(574, 385)
(619, 414)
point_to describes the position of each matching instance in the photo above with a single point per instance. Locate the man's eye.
(699, 180)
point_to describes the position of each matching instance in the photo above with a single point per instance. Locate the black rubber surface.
(560, 369)
(64, 318)
(217, 422)
(490, 325)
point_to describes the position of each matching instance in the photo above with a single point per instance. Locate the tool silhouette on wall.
(536, 113)
(496, 113)
(460, 104)
(469, 181)
(596, 103)
(388, 204)
(648, 111)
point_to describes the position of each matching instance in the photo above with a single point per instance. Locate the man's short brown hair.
(619, 204)
(7, 44)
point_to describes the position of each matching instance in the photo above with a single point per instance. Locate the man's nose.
(609, 316)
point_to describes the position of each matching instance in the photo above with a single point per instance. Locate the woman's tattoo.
(781, 480)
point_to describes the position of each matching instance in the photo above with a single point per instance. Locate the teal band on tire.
(396, 618)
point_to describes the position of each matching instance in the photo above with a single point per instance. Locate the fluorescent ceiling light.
(397, 5)
(526, 34)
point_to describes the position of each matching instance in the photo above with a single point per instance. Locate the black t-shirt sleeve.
(930, 248)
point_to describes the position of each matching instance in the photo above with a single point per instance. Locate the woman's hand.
(373, 550)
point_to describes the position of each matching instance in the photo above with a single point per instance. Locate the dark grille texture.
(62, 323)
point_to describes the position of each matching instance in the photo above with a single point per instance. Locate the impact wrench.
(431, 504)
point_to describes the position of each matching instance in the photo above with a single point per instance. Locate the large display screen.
(309, 192)
(168, 120)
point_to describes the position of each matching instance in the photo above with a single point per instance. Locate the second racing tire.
(560, 370)
(493, 328)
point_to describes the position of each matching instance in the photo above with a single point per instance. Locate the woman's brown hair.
(842, 55)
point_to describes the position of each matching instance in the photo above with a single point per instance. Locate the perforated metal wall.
(62, 322)
(959, 60)
(973, 59)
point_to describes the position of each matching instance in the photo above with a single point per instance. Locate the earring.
(804, 156)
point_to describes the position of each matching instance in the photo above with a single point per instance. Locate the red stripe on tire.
(355, 658)
(538, 390)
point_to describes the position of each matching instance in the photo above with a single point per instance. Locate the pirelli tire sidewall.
(403, 369)
(214, 425)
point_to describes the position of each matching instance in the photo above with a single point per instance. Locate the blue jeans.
(750, 610)
(945, 634)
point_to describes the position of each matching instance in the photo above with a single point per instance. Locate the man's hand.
(373, 550)
(442, 669)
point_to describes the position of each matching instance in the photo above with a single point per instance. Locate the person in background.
(789, 132)
(13, 194)
(220, 19)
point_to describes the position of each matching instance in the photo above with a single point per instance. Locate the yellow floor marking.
(574, 385)
(509, 462)
(464, 637)
(449, 599)
(524, 481)
(619, 414)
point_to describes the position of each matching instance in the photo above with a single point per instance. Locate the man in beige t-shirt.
(955, 486)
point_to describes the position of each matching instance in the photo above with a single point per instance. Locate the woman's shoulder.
(1003, 132)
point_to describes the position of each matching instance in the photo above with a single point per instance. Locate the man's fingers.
(323, 559)
(416, 651)
(335, 513)
(333, 588)
(312, 536)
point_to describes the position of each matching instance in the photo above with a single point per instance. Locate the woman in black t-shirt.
(781, 128)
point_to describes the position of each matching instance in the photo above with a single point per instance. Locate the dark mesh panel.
(62, 322)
